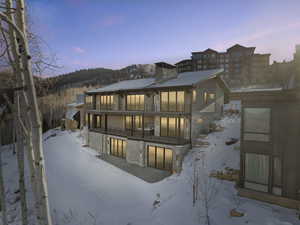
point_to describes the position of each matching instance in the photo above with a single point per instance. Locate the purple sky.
(117, 33)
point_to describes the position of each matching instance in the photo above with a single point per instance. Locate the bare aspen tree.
(207, 189)
(35, 115)
(2, 186)
(22, 64)
(20, 159)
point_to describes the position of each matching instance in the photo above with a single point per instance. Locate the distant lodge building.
(240, 64)
(153, 122)
(270, 144)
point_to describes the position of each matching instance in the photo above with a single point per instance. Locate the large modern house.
(153, 122)
(270, 140)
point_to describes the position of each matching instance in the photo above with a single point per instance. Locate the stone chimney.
(165, 71)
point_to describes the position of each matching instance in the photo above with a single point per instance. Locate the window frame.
(88, 100)
(130, 106)
(132, 120)
(111, 146)
(106, 102)
(179, 129)
(268, 169)
(260, 133)
(207, 97)
(170, 168)
(178, 107)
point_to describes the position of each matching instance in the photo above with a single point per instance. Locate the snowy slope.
(86, 190)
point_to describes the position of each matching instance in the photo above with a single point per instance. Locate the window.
(257, 124)
(135, 102)
(90, 121)
(208, 97)
(89, 101)
(106, 102)
(194, 96)
(160, 158)
(172, 101)
(171, 127)
(257, 168)
(97, 121)
(133, 122)
(98, 102)
(118, 147)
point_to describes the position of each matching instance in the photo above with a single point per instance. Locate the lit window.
(89, 101)
(194, 96)
(133, 122)
(106, 102)
(172, 101)
(98, 102)
(171, 126)
(98, 121)
(118, 147)
(160, 158)
(208, 97)
(91, 121)
(135, 102)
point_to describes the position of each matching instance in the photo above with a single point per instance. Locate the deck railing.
(146, 135)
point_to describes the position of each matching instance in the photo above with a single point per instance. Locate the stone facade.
(136, 150)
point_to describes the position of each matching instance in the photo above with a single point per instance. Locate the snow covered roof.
(71, 112)
(189, 78)
(183, 79)
(75, 104)
(125, 85)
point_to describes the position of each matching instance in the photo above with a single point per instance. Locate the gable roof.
(189, 78)
(125, 85)
(182, 80)
(183, 61)
(237, 46)
(209, 50)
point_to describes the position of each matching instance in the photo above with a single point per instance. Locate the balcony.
(146, 135)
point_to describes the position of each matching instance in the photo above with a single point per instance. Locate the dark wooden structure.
(270, 142)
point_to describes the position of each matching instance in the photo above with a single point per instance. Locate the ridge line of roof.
(182, 80)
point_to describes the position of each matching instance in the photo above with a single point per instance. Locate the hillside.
(96, 76)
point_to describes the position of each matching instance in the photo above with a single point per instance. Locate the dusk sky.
(117, 33)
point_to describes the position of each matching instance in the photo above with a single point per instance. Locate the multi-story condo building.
(152, 122)
(240, 64)
(184, 66)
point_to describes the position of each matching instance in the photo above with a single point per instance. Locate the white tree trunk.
(22, 49)
(2, 187)
(35, 118)
(16, 65)
(20, 158)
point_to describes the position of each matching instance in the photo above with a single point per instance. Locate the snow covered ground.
(86, 190)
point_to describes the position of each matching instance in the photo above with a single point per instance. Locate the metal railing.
(146, 135)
